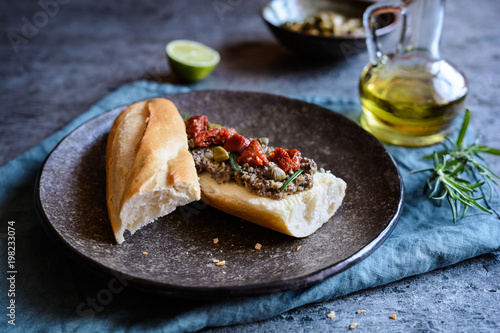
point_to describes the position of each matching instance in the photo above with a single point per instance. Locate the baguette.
(273, 187)
(149, 170)
(298, 215)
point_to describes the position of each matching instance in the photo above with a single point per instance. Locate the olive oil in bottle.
(411, 105)
(410, 97)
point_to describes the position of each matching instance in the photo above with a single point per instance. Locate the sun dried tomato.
(195, 125)
(295, 157)
(216, 136)
(253, 155)
(236, 143)
(286, 159)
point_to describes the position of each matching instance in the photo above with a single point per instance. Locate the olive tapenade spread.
(264, 170)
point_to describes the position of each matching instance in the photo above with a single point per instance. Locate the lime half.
(191, 61)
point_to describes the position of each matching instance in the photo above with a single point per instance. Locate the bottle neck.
(422, 27)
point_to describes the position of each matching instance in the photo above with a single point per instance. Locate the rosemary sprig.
(291, 179)
(455, 160)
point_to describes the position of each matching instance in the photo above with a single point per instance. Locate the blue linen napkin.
(50, 289)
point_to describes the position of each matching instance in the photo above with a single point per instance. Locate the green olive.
(220, 154)
(263, 142)
(275, 173)
(327, 23)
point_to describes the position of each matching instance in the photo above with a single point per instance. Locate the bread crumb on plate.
(258, 246)
(215, 240)
(360, 311)
(144, 252)
(353, 326)
(393, 316)
(331, 315)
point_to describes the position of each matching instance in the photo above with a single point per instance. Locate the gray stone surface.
(71, 55)
(447, 300)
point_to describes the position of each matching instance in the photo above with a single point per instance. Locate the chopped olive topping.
(228, 156)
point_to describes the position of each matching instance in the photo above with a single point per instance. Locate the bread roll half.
(297, 215)
(149, 170)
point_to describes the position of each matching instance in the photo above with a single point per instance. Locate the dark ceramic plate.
(71, 201)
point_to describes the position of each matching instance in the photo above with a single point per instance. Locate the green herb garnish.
(233, 160)
(186, 116)
(445, 181)
(291, 179)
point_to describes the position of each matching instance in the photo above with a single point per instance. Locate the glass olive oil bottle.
(411, 97)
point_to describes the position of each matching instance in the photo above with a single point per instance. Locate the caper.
(269, 173)
(211, 125)
(275, 173)
(220, 154)
(263, 142)
(279, 174)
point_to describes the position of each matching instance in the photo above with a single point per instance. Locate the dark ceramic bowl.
(276, 12)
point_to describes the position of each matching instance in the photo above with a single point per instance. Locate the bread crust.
(297, 215)
(150, 171)
(148, 163)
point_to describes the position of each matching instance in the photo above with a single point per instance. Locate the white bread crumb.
(331, 315)
(353, 326)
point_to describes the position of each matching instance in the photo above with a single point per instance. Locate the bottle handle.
(369, 19)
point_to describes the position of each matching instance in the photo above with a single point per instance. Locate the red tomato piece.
(253, 155)
(195, 125)
(286, 159)
(236, 143)
(295, 158)
(216, 136)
